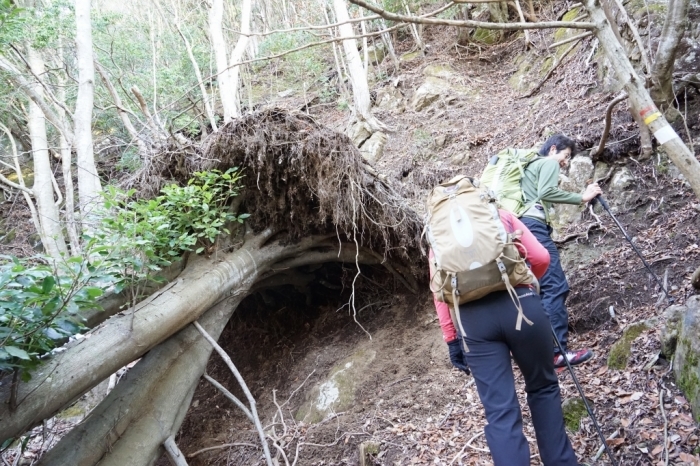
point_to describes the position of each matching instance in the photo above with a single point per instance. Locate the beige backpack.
(473, 255)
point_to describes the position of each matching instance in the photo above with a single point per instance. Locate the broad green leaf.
(17, 352)
(93, 292)
(47, 284)
(53, 334)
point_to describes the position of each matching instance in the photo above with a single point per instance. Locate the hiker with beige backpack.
(484, 271)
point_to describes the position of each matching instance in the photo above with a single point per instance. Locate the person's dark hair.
(561, 142)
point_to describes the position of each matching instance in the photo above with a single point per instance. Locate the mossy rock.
(686, 360)
(337, 392)
(620, 352)
(574, 409)
(563, 33)
(27, 177)
(487, 36)
(6, 237)
(410, 56)
(439, 71)
(672, 322)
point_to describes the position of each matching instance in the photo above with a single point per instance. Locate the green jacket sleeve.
(548, 185)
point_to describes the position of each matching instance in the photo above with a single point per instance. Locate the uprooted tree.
(312, 200)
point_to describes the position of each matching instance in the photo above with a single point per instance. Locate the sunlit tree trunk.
(198, 74)
(226, 92)
(239, 50)
(51, 233)
(671, 35)
(66, 165)
(89, 185)
(358, 76)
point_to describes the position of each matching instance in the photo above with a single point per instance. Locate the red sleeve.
(537, 255)
(449, 332)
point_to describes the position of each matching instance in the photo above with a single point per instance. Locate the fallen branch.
(219, 447)
(570, 39)
(173, 452)
(551, 70)
(600, 451)
(608, 119)
(580, 234)
(469, 444)
(244, 386)
(663, 414)
(470, 23)
(230, 396)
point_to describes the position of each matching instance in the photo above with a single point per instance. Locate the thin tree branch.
(608, 119)
(41, 81)
(570, 39)
(551, 70)
(173, 452)
(244, 386)
(635, 34)
(26, 87)
(522, 20)
(230, 396)
(470, 23)
(311, 28)
(219, 447)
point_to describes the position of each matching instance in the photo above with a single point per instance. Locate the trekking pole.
(604, 203)
(585, 402)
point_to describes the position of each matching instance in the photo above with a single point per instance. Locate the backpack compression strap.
(513, 295)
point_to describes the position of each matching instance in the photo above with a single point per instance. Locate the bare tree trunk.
(197, 72)
(341, 78)
(358, 77)
(51, 233)
(238, 51)
(671, 35)
(89, 186)
(66, 168)
(226, 92)
(640, 100)
(157, 391)
(26, 192)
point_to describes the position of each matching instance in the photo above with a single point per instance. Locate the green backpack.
(503, 174)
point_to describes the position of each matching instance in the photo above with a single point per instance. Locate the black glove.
(457, 356)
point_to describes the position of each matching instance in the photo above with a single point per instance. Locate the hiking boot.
(574, 357)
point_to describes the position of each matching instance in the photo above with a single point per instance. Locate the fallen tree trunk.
(148, 405)
(112, 345)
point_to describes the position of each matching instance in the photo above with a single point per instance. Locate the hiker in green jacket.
(540, 182)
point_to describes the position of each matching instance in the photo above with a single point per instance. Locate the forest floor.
(409, 400)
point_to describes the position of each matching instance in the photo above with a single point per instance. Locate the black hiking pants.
(491, 337)
(554, 288)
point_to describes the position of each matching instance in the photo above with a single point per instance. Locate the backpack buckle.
(453, 282)
(501, 267)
